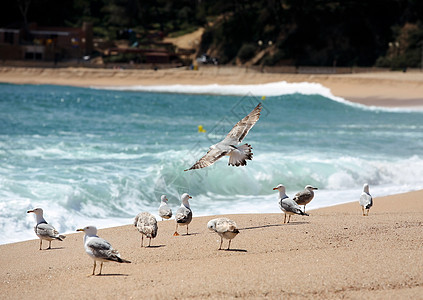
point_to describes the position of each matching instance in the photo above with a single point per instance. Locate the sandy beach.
(334, 253)
(388, 89)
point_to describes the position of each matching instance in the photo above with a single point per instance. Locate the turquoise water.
(90, 156)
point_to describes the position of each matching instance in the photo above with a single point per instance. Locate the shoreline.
(333, 253)
(384, 89)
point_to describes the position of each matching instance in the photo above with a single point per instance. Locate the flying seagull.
(287, 205)
(44, 230)
(366, 200)
(225, 228)
(304, 197)
(147, 225)
(99, 249)
(229, 145)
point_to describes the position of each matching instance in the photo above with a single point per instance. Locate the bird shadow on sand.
(258, 227)
(53, 248)
(235, 250)
(154, 246)
(185, 234)
(110, 275)
(274, 225)
(296, 223)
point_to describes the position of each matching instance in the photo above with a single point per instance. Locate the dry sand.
(379, 89)
(333, 253)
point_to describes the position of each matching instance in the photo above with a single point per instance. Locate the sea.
(99, 156)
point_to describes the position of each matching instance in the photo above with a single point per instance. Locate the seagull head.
(310, 187)
(89, 230)
(37, 211)
(185, 197)
(211, 225)
(164, 199)
(280, 188)
(366, 188)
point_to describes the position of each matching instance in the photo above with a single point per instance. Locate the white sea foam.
(279, 88)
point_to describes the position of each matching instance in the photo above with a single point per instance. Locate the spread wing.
(210, 158)
(241, 129)
(237, 134)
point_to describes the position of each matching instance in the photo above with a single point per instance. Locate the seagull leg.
(229, 245)
(284, 219)
(368, 212)
(41, 243)
(304, 208)
(142, 240)
(49, 245)
(94, 267)
(221, 241)
(187, 230)
(149, 243)
(362, 208)
(289, 218)
(101, 267)
(176, 230)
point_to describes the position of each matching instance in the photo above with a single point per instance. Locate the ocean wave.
(272, 89)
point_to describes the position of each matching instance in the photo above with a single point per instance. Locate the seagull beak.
(80, 229)
(29, 211)
(275, 188)
(190, 197)
(315, 188)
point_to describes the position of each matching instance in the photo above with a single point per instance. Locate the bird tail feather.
(240, 155)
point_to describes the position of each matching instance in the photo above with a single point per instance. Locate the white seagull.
(99, 249)
(287, 205)
(225, 228)
(304, 197)
(229, 145)
(147, 225)
(165, 212)
(184, 214)
(366, 200)
(44, 230)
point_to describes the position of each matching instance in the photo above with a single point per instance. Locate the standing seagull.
(183, 214)
(99, 249)
(147, 225)
(304, 197)
(225, 228)
(366, 200)
(228, 146)
(164, 210)
(44, 230)
(287, 205)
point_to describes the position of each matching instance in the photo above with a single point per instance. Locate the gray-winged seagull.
(366, 200)
(99, 249)
(44, 230)
(229, 145)
(147, 225)
(304, 197)
(184, 214)
(225, 228)
(287, 205)
(165, 212)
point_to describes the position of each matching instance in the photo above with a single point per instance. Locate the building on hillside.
(46, 43)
